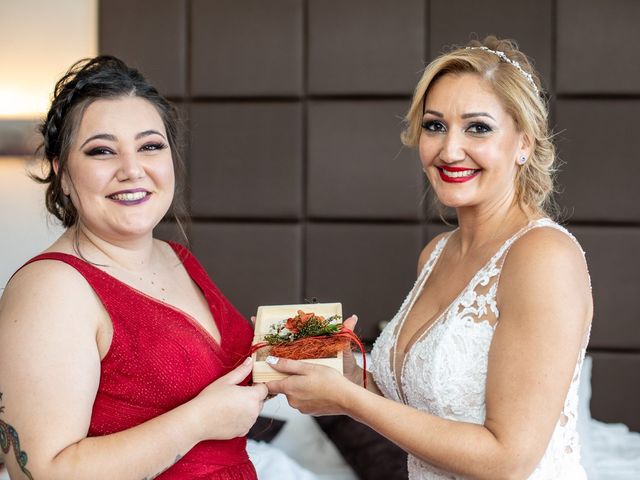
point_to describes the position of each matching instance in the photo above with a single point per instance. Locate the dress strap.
(193, 267)
(100, 281)
(500, 257)
(62, 257)
(199, 275)
(81, 266)
(506, 246)
(435, 255)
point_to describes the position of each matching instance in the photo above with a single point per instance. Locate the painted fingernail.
(271, 360)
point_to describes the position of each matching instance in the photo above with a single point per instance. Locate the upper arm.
(545, 307)
(49, 360)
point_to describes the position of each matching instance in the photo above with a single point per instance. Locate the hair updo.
(88, 80)
(520, 98)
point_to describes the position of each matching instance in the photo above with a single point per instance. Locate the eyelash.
(483, 126)
(150, 147)
(147, 147)
(430, 125)
(94, 152)
(479, 127)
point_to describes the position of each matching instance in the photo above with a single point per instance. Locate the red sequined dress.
(160, 358)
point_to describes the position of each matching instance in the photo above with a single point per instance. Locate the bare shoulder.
(545, 269)
(47, 289)
(428, 250)
(546, 250)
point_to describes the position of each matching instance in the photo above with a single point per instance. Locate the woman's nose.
(130, 167)
(452, 148)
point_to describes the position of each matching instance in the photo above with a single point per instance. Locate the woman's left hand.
(312, 389)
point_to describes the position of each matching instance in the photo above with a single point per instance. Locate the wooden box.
(272, 314)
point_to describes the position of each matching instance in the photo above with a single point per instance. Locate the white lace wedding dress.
(444, 372)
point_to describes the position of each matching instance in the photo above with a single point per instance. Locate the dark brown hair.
(88, 80)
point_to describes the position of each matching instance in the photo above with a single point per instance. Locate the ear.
(525, 147)
(63, 178)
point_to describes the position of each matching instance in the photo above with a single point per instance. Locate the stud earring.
(522, 160)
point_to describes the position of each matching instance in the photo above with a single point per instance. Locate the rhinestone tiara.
(503, 56)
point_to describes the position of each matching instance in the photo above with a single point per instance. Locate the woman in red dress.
(119, 357)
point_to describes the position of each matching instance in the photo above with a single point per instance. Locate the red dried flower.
(295, 323)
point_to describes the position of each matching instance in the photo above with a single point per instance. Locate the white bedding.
(609, 451)
(301, 451)
(614, 454)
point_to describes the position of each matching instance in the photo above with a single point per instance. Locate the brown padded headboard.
(298, 183)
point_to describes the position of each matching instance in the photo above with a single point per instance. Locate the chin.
(137, 229)
(453, 201)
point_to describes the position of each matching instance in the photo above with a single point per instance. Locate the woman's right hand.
(227, 410)
(350, 368)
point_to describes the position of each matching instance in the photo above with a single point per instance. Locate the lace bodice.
(444, 372)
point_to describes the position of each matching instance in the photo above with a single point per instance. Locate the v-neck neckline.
(190, 318)
(419, 335)
(432, 261)
(187, 316)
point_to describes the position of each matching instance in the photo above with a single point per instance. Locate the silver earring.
(522, 160)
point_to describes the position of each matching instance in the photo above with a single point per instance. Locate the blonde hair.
(520, 98)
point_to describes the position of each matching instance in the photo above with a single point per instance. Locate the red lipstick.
(443, 170)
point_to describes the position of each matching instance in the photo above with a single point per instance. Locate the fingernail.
(355, 317)
(271, 360)
(247, 361)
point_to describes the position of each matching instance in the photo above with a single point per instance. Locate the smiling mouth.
(130, 198)
(464, 173)
(457, 174)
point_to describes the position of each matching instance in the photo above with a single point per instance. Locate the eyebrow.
(433, 112)
(100, 136)
(464, 115)
(477, 114)
(146, 133)
(113, 138)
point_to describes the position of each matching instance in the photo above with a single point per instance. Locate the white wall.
(25, 227)
(39, 39)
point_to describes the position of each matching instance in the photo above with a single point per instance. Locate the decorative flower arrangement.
(301, 326)
(309, 336)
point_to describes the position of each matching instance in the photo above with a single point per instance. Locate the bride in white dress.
(477, 375)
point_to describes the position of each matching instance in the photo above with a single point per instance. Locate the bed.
(304, 448)
(287, 445)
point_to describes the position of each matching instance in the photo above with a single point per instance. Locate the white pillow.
(273, 464)
(302, 439)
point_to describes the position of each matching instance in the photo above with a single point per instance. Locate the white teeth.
(129, 197)
(463, 173)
